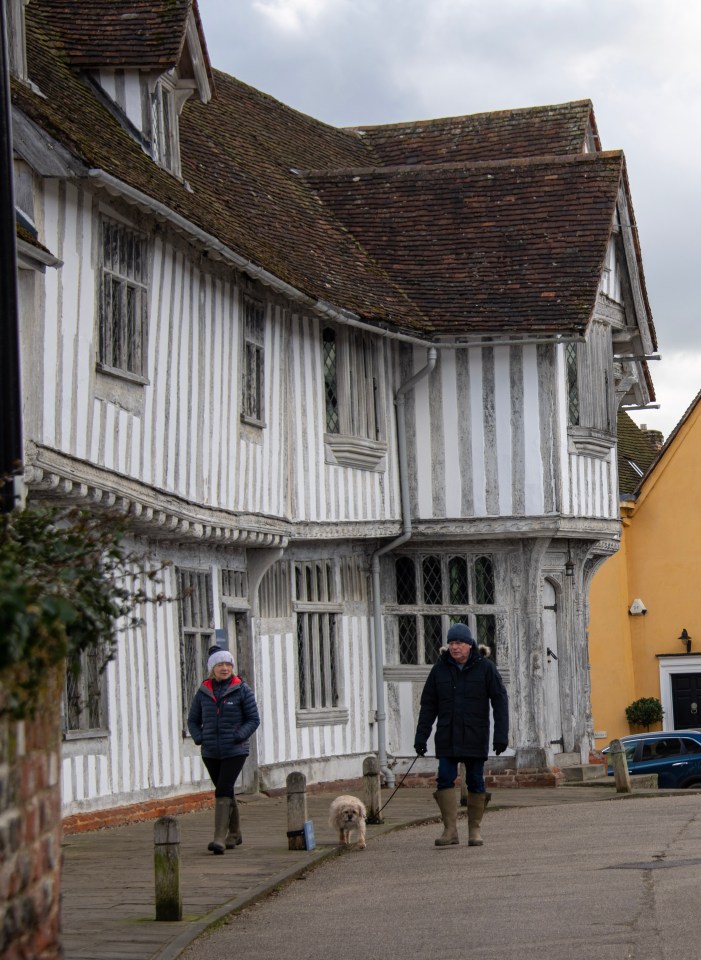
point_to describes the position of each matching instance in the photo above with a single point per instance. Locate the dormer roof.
(154, 35)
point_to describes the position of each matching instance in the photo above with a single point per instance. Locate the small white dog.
(348, 814)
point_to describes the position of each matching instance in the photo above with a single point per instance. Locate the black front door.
(686, 700)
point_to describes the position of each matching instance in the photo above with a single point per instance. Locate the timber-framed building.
(352, 384)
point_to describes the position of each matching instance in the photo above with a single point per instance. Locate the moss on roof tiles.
(434, 247)
(497, 135)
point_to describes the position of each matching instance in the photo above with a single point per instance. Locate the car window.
(691, 746)
(660, 749)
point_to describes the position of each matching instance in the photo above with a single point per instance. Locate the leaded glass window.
(253, 379)
(123, 299)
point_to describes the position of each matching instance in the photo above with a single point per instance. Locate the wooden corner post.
(166, 858)
(296, 811)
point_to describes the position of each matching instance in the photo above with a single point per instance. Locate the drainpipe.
(375, 562)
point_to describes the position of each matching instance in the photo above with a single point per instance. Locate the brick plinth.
(136, 812)
(30, 830)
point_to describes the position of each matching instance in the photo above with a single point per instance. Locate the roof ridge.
(436, 168)
(409, 124)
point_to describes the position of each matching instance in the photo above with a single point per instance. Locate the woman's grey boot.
(233, 837)
(222, 812)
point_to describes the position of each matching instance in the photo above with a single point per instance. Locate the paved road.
(591, 881)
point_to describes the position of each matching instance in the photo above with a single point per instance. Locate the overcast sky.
(351, 62)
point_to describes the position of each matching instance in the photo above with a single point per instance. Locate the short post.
(620, 767)
(463, 785)
(373, 794)
(166, 858)
(296, 810)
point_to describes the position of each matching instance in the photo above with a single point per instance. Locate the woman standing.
(222, 717)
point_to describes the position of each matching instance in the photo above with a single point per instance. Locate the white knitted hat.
(221, 656)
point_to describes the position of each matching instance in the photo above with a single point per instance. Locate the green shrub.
(644, 712)
(66, 585)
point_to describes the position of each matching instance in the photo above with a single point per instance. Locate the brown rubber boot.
(476, 803)
(233, 837)
(447, 800)
(222, 812)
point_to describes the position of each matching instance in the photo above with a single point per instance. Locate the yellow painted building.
(635, 648)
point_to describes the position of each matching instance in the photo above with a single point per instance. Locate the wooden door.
(686, 700)
(553, 710)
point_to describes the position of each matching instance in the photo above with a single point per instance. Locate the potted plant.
(644, 712)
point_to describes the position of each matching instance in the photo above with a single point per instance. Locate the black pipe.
(11, 453)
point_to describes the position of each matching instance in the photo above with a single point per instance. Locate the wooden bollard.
(296, 811)
(463, 785)
(620, 767)
(373, 794)
(166, 859)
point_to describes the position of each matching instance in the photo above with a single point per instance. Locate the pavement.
(108, 910)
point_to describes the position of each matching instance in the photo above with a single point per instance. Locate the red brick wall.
(30, 831)
(135, 812)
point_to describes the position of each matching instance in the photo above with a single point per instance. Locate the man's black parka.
(459, 699)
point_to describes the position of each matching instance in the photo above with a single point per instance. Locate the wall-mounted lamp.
(569, 563)
(685, 639)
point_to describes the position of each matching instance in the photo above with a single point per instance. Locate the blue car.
(674, 755)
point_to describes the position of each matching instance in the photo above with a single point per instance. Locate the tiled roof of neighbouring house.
(479, 244)
(635, 454)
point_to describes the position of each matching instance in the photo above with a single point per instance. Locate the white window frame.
(196, 613)
(84, 699)
(123, 300)
(253, 361)
(354, 421)
(318, 613)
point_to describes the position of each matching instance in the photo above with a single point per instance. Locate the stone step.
(638, 781)
(584, 771)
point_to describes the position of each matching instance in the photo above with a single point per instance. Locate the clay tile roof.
(633, 448)
(500, 135)
(436, 248)
(512, 245)
(118, 33)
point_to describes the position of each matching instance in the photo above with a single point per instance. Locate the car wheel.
(688, 784)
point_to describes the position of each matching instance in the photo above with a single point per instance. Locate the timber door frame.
(237, 621)
(552, 693)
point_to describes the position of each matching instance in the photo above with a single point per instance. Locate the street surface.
(592, 881)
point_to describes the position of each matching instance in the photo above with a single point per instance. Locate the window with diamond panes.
(331, 381)
(196, 606)
(317, 656)
(351, 384)
(484, 580)
(433, 592)
(572, 384)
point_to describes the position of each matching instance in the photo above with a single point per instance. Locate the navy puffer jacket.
(458, 700)
(222, 717)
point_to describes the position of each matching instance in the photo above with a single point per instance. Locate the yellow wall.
(610, 651)
(659, 562)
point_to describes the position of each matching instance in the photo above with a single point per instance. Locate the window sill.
(590, 442)
(252, 422)
(125, 375)
(322, 718)
(85, 734)
(358, 452)
(407, 672)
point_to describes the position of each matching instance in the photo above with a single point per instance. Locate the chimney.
(654, 437)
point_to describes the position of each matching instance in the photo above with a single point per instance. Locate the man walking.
(457, 695)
